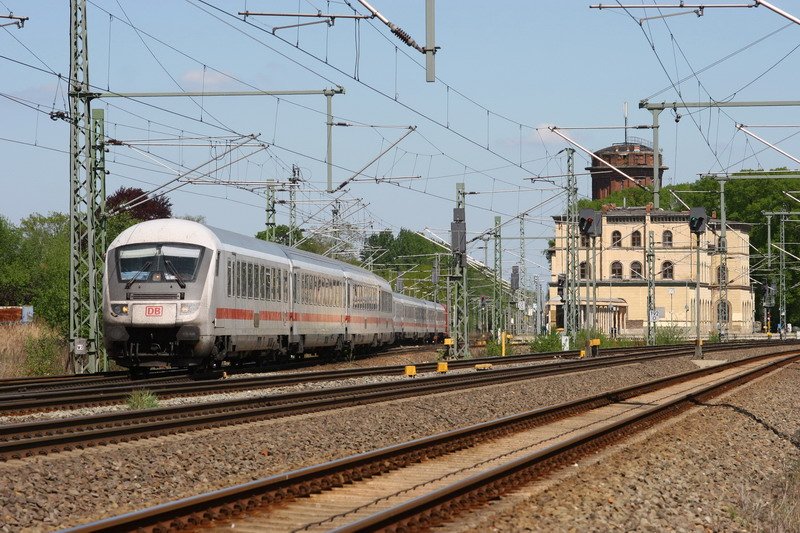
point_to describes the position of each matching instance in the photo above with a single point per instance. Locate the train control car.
(181, 294)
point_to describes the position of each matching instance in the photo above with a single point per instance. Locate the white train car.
(417, 320)
(179, 293)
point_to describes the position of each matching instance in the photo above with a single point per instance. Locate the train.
(181, 294)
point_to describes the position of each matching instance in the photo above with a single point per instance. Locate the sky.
(505, 72)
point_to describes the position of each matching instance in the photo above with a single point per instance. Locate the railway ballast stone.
(70, 488)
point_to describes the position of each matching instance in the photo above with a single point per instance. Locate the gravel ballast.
(731, 465)
(69, 488)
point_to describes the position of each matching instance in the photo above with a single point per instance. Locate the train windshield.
(159, 262)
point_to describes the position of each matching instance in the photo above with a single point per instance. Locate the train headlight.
(119, 309)
(188, 308)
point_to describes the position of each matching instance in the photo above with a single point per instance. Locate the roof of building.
(660, 215)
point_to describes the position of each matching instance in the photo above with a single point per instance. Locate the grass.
(141, 399)
(31, 349)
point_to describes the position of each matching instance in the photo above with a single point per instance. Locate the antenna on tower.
(625, 112)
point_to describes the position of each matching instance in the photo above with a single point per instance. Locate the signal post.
(697, 225)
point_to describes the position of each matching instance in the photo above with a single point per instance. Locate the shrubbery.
(670, 335)
(43, 354)
(546, 343)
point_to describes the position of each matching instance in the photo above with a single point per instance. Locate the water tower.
(634, 157)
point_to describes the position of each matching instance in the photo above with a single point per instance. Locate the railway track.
(53, 435)
(37, 384)
(94, 393)
(422, 483)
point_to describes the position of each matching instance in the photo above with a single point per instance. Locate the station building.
(620, 267)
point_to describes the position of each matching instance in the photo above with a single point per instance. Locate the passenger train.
(181, 294)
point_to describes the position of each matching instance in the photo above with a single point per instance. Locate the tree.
(153, 208)
(35, 266)
(13, 276)
(281, 234)
(378, 245)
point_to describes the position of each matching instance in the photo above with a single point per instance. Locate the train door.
(295, 308)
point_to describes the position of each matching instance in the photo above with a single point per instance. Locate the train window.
(265, 283)
(230, 277)
(239, 278)
(259, 277)
(268, 283)
(250, 280)
(141, 260)
(242, 279)
(285, 285)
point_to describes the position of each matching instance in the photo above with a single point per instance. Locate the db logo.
(153, 310)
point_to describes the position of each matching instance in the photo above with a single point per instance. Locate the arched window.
(616, 270)
(722, 274)
(583, 270)
(666, 239)
(636, 239)
(636, 270)
(723, 312)
(616, 239)
(584, 241)
(667, 270)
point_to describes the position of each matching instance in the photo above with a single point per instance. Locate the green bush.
(141, 399)
(493, 348)
(578, 341)
(713, 337)
(43, 354)
(670, 335)
(546, 343)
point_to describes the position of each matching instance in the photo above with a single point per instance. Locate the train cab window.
(158, 262)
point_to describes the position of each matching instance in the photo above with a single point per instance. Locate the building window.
(584, 241)
(636, 270)
(616, 270)
(636, 239)
(616, 239)
(666, 239)
(583, 270)
(667, 270)
(722, 274)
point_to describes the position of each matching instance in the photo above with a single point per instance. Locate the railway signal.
(562, 278)
(697, 220)
(590, 222)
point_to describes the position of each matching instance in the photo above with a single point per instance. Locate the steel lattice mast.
(84, 298)
(651, 288)
(571, 302)
(458, 289)
(499, 310)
